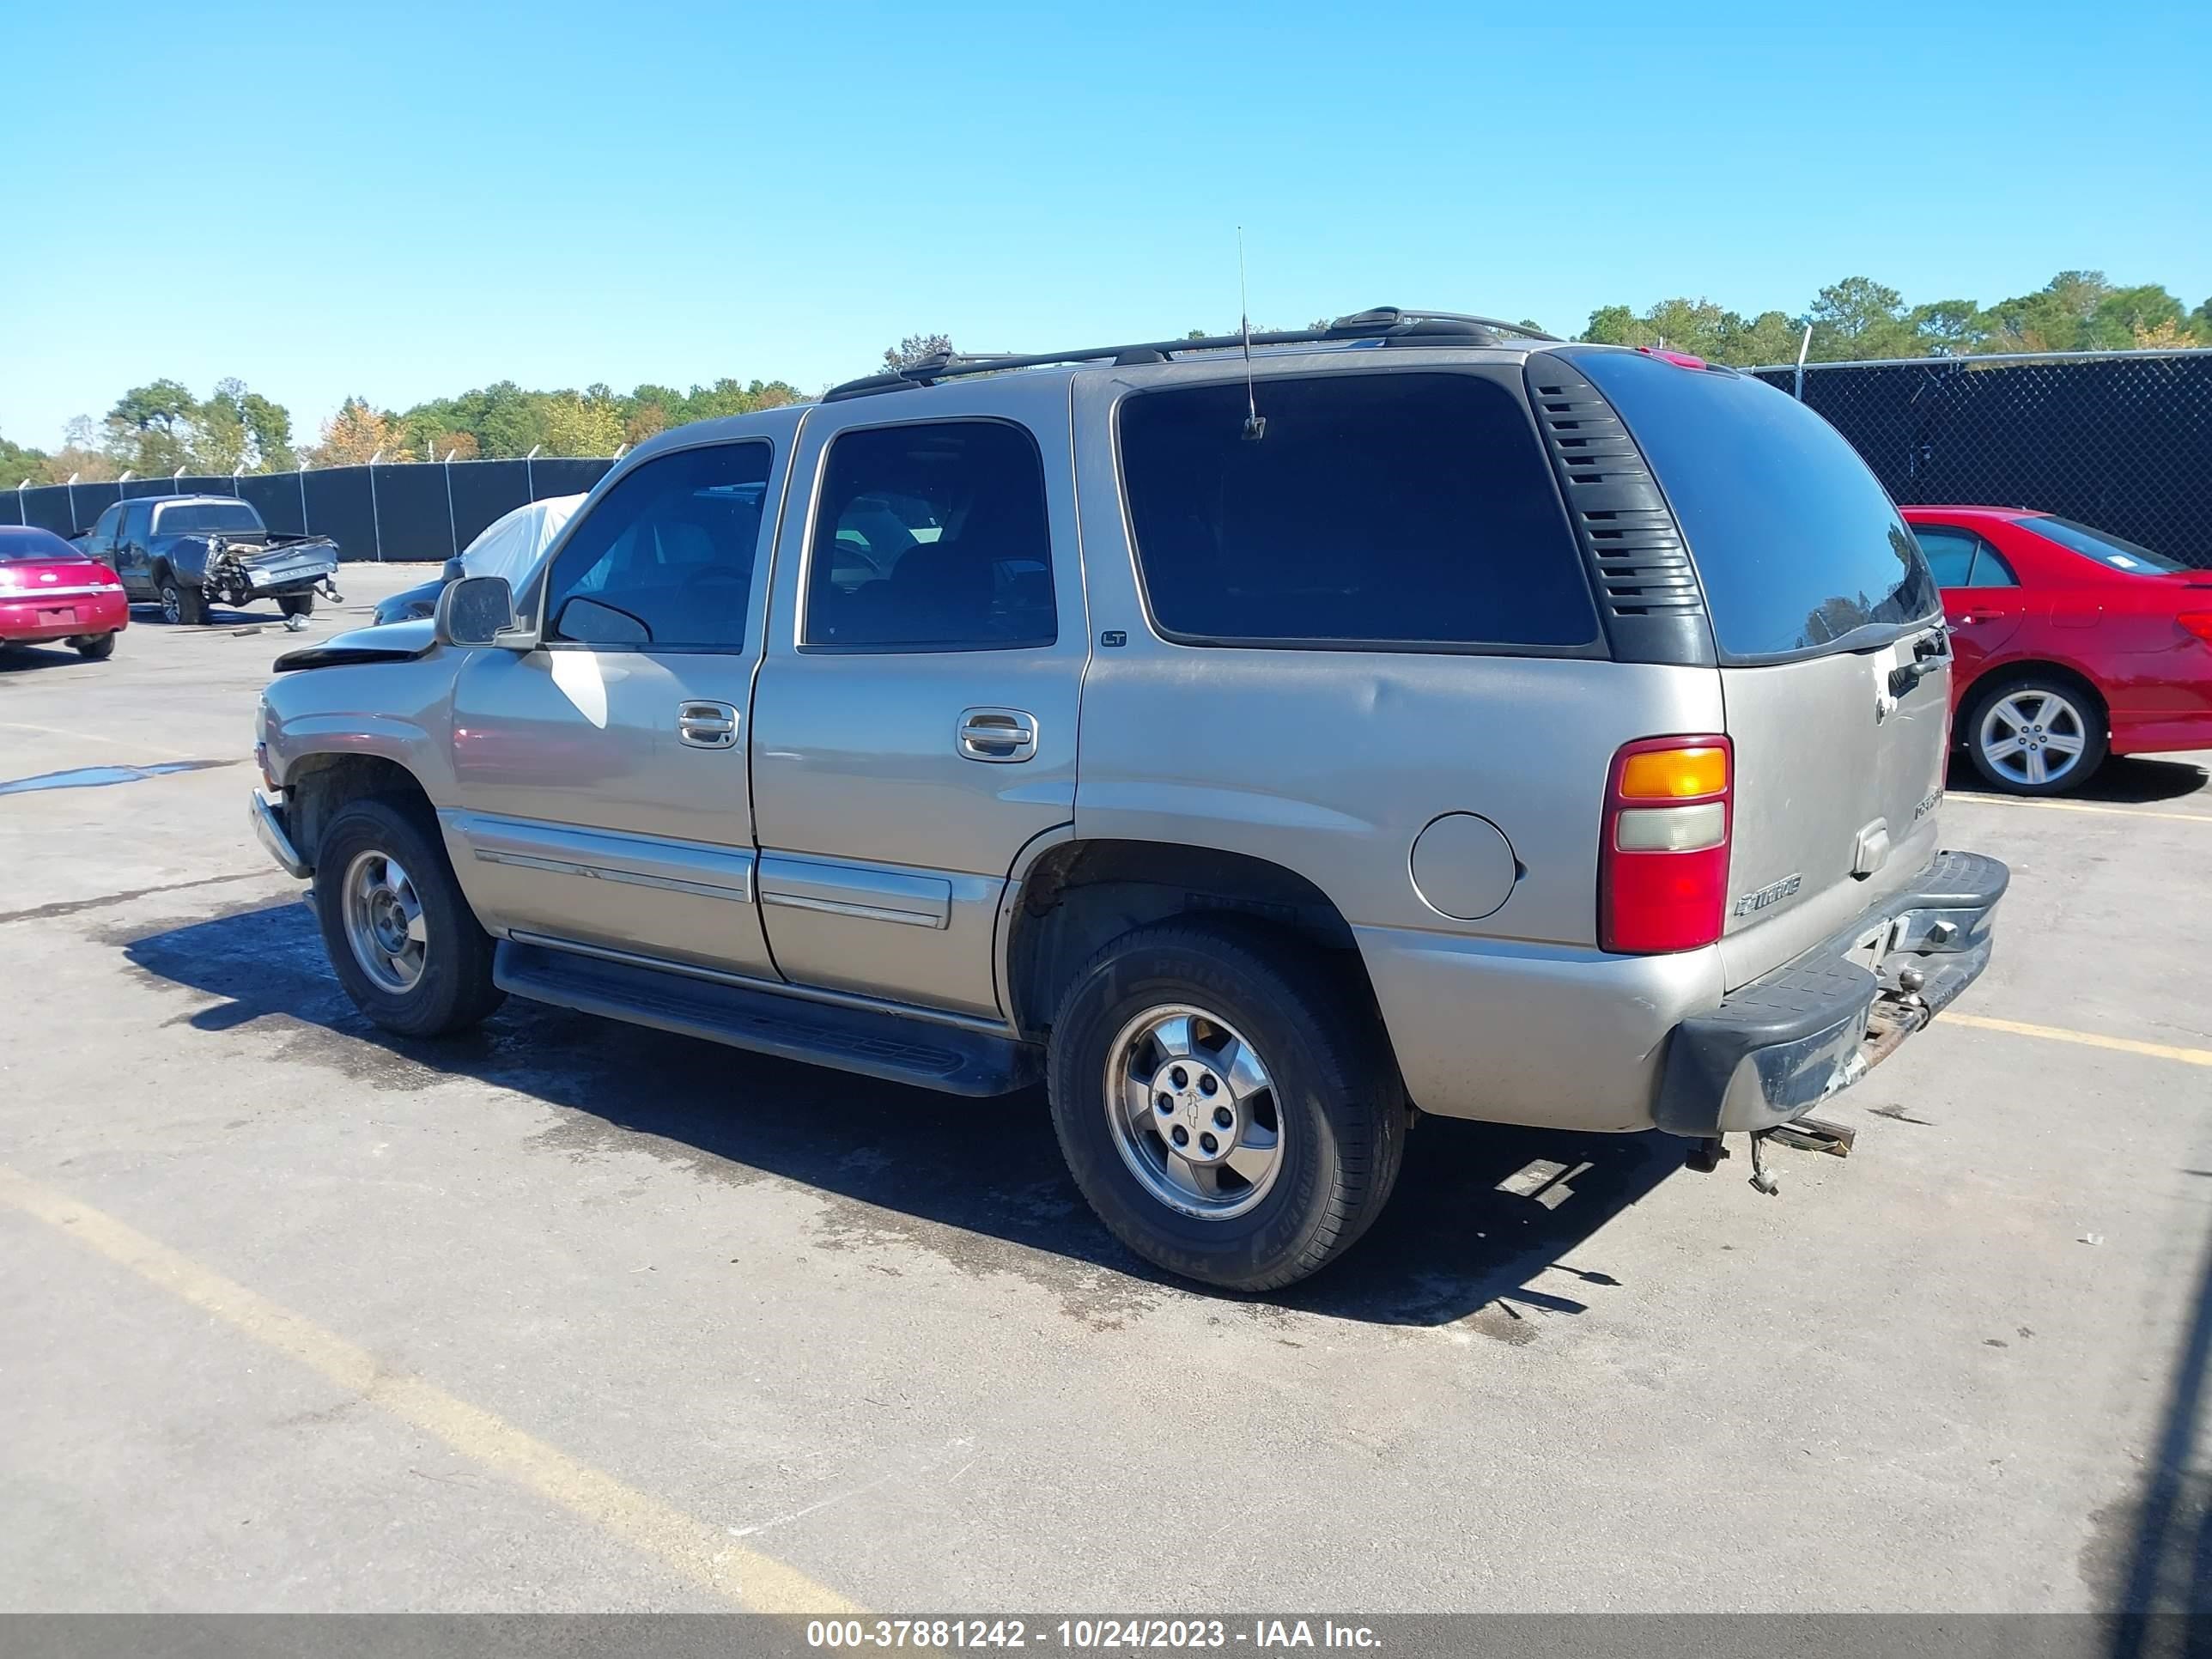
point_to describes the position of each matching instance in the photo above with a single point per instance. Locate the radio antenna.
(1255, 426)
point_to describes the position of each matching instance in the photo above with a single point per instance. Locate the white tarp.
(509, 545)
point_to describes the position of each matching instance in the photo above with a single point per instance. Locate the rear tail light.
(1663, 869)
(2198, 622)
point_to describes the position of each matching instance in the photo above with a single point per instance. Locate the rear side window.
(1404, 510)
(932, 538)
(1950, 554)
(1797, 546)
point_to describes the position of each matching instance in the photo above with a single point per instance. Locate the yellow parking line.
(2078, 806)
(2089, 1039)
(693, 1549)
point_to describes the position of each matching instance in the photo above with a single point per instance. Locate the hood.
(399, 642)
(394, 607)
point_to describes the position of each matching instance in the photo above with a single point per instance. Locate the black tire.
(182, 604)
(96, 648)
(296, 605)
(455, 989)
(1339, 1104)
(2077, 711)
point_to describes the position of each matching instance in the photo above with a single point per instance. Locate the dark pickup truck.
(185, 552)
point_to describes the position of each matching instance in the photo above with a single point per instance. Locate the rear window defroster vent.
(1653, 609)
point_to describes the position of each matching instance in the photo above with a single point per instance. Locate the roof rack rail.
(1388, 324)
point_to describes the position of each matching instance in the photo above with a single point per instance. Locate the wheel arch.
(1994, 678)
(318, 787)
(1073, 896)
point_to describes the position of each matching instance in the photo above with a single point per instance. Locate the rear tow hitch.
(1760, 1180)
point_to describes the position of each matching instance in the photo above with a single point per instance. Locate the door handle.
(707, 725)
(997, 734)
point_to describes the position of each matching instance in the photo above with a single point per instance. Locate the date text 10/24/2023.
(1256, 1636)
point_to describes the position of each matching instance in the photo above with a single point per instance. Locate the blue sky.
(437, 197)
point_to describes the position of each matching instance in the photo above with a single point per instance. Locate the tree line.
(1859, 319)
(155, 429)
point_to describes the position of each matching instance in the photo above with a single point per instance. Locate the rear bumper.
(63, 615)
(274, 835)
(1777, 1046)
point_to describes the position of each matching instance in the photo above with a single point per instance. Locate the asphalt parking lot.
(568, 1315)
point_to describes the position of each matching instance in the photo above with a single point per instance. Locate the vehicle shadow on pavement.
(25, 658)
(1481, 1219)
(2157, 1562)
(2124, 780)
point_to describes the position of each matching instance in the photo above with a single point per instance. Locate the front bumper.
(274, 835)
(1779, 1046)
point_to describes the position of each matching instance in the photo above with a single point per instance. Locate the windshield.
(198, 517)
(2105, 549)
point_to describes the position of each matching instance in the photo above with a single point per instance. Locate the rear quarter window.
(1797, 546)
(1403, 510)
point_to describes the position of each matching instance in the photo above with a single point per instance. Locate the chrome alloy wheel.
(172, 603)
(384, 923)
(1193, 1112)
(2033, 736)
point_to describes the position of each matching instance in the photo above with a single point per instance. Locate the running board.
(897, 1048)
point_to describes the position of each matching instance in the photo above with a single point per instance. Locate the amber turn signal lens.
(1673, 774)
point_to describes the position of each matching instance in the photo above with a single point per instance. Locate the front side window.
(1397, 509)
(136, 518)
(105, 527)
(665, 556)
(932, 538)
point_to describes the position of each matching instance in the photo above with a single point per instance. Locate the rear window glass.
(19, 546)
(1796, 544)
(1397, 509)
(198, 517)
(2104, 548)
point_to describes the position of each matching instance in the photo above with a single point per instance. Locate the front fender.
(395, 711)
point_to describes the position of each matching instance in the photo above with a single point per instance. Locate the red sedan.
(2071, 644)
(51, 591)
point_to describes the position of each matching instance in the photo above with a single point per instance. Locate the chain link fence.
(413, 510)
(2121, 441)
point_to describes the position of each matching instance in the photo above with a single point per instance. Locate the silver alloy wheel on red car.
(2034, 735)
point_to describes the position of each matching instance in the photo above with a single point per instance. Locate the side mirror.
(455, 569)
(475, 610)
